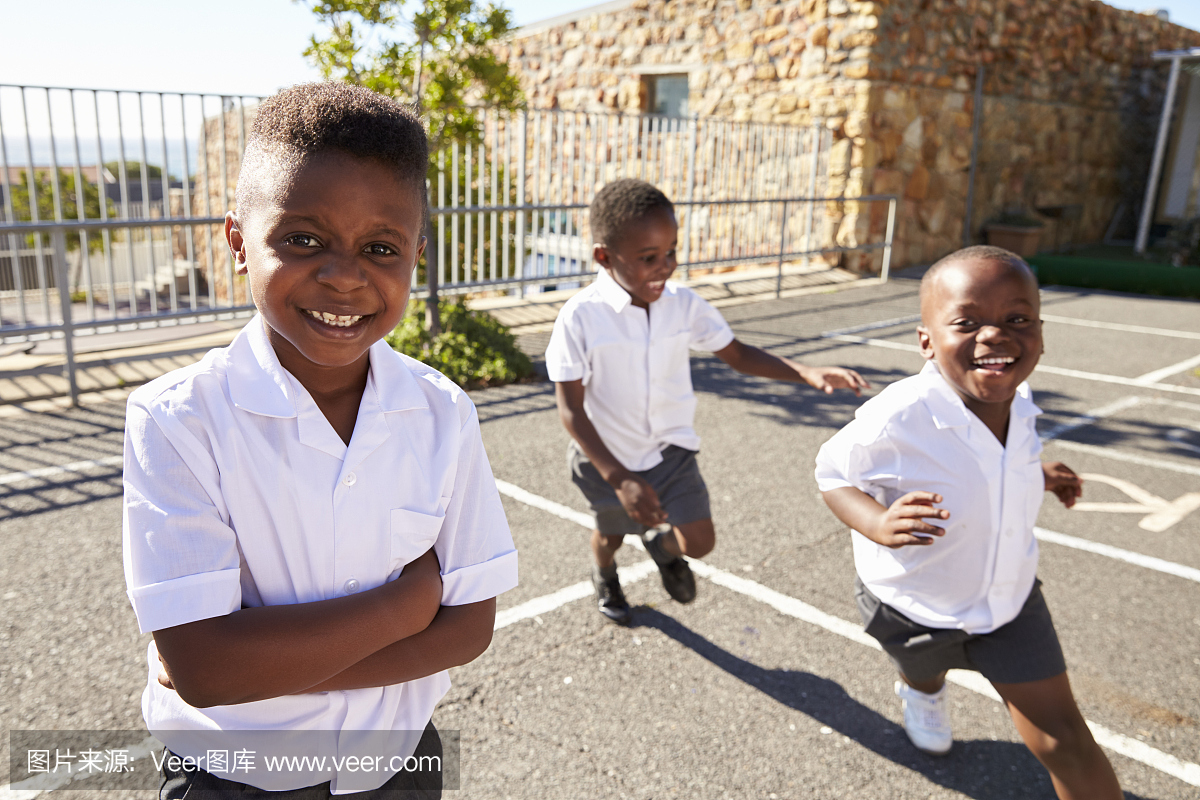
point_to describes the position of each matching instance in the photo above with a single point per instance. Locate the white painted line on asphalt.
(1140, 751)
(557, 509)
(1130, 458)
(1117, 379)
(578, 591)
(49, 781)
(1063, 371)
(1128, 556)
(1091, 417)
(1151, 378)
(45, 472)
(1083, 323)
(1116, 742)
(872, 326)
(784, 604)
(1116, 326)
(841, 337)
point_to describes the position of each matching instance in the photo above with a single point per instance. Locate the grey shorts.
(1025, 649)
(676, 480)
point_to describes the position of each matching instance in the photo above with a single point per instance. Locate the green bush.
(473, 349)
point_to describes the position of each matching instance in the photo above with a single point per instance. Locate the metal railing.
(82, 252)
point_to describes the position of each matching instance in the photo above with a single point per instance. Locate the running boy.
(311, 527)
(619, 360)
(957, 445)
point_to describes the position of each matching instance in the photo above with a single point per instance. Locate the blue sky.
(221, 46)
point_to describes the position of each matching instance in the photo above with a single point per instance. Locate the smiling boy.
(311, 527)
(619, 359)
(957, 445)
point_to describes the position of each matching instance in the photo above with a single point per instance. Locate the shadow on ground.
(984, 770)
(51, 439)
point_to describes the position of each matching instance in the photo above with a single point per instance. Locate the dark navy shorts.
(1025, 649)
(676, 480)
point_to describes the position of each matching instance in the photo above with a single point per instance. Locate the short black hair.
(311, 118)
(979, 252)
(620, 203)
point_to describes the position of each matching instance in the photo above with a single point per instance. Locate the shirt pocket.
(669, 358)
(413, 532)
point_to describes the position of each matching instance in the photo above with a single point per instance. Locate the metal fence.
(110, 215)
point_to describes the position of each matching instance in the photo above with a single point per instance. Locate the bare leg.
(605, 548)
(692, 539)
(1050, 723)
(931, 686)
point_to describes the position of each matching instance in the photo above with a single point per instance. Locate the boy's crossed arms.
(394, 633)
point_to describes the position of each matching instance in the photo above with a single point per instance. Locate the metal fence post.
(887, 240)
(812, 190)
(520, 250)
(782, 250)
(691, 185)
(59, 239)
(433, 316)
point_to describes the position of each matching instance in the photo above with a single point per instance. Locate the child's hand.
(1062, 480)
(826, 379)
(899, 525)
(640, 501)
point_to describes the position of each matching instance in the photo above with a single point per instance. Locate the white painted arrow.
(1160, 514)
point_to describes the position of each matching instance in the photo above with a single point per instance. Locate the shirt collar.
(948, 409)
(611, 292)
(259, 384)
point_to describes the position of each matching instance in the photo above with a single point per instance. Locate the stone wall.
(1070, 97)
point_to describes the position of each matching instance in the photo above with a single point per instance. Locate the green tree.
(44, 190)
(474, 350)
(440, 58)
(133, 170)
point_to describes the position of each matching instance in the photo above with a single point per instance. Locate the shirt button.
(351, 586)
(350, 479)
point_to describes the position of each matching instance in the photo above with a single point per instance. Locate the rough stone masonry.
(1070, 97)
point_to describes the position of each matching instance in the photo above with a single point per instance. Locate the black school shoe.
(610, 598)
(677, 577)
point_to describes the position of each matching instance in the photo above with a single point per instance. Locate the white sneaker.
(926, 719)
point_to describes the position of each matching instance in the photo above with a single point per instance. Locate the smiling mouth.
(993, 363)
(335, 320)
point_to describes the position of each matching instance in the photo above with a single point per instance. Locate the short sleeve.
(474, 547)
(181, 557)
(709, 330)
(859, 455)
(565, 356)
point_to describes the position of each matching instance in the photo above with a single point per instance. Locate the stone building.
(1066, 124)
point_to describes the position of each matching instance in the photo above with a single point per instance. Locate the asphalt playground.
(765, 686)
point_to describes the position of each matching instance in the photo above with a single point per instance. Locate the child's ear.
(237, 243)
(600, 255)
(925, 342)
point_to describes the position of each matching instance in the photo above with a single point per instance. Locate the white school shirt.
(634, 365)
(238, 492)
(918, 435)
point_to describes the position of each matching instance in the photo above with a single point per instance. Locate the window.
(668, 94)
